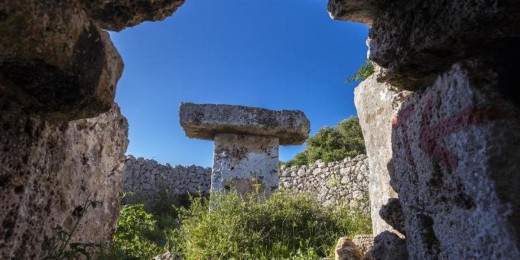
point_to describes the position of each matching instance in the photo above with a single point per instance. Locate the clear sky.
(276, 54)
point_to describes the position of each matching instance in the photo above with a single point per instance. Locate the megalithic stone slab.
(204, 121)
(246, 142)
(245, 164)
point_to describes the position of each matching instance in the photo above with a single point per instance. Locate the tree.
(332, 143)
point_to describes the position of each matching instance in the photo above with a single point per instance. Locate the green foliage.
(282, 227)
(363, 73)
(333, 143)
(136, 231)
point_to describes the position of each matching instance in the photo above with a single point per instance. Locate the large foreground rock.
(415, 39)
(116, 15)
(376, 104)
(456, 167)
(54, 61)
(48, 172)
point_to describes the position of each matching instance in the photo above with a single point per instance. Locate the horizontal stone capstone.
(204, 121)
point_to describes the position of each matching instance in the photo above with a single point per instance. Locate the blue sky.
(276, 54)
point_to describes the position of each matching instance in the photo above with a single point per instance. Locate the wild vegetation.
(332, 143)
(363, 73)
(233, 227)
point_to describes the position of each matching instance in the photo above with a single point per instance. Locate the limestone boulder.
(54, 61)
(389, 246)
(347, 250)
(116, 15)
(376, 104)
(455, 153)
(415, 40)
(53, 176)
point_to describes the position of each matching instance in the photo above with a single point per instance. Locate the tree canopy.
(332, 143)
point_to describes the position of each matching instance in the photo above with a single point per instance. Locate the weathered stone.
(388, 246)
(116, 15)
(376, 103)
(456, 165)
(49, 172)
(361, 11)
(54, 61)
(365, 244)
(245, 163)
(392, 213)
(347, 250)
(416, 40)
(204, 121)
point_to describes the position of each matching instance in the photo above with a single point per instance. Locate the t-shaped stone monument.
(246, 142)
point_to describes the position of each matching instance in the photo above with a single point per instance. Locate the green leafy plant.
(134, 238)
(283, 226)
(363, 73)
(333, 143)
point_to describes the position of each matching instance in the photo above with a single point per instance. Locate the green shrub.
(333, 143)
(136, 236)
(295, 226)
(363, 73)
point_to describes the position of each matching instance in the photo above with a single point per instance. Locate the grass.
(281, 227)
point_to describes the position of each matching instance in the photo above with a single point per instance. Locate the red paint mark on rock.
(431, 134)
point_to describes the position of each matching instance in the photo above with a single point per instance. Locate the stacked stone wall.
(335, 183)
(147, 178)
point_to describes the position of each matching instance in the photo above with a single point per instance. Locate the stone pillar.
(246, 142)
(376, 104)
(242, 162)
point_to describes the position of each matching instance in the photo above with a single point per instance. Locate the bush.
(363, 73)
(136, 234)
(333, 143)
(295, 226)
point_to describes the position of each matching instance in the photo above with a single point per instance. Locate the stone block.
(376, 104)
(456, 165)
(54, 61)
(204, 121)
(245, 163)
(116, 15)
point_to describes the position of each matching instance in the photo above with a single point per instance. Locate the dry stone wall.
(147, 177)
(335, 183)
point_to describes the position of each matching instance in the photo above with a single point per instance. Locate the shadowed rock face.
(47, 174)
(204, 121)
(58, 67)
(415, 40)
(455, 140)
(116, 15)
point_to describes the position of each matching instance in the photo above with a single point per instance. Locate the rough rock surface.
(392, 213)
(362, 11)
(116, 15)
(146, 178)
(388, 246)
(58, 65)
(416, 40)
(365, 244)
(376, 104)
(47, 174)
(456, 167)
(346, 250)
(334, 183)
(245, 164)
(204, 121)
(54, 61)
